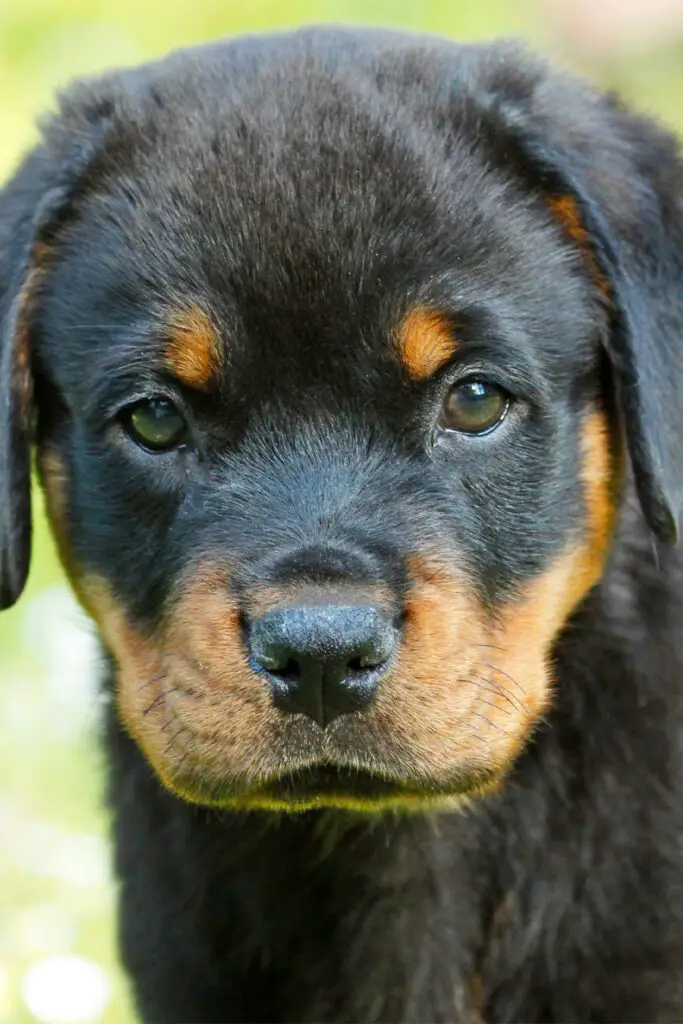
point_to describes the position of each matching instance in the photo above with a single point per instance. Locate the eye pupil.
(156, 424)
(474, 407)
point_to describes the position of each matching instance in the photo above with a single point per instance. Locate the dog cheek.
(186, 694)
(452, 702)
(424, 705)
(142, 674)
(233, 710)
(471, 682)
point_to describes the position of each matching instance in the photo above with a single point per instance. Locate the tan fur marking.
(565, 210)
(597, 476)
(468, 686)
(462, 697)
(54, 478)
(187, 695)
(425, 342)
(193, 351)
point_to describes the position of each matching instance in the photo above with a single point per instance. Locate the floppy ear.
(622, 177)
(33, 206)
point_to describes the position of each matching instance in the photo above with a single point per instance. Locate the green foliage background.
(56, 892)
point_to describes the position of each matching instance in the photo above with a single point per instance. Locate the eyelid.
(517, 380)
(147, 396)
(110, 402)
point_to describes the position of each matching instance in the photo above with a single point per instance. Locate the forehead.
(295, 211)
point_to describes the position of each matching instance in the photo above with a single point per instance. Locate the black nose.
(323, 661)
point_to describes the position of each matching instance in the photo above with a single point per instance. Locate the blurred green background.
(57, 946)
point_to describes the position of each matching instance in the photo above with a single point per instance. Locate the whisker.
(488, 720)
(95, 327)
(160, 699)
(174, 737)
(494, 668)
(155, 679)
(502, 691)
(486, 689)
(492, 705)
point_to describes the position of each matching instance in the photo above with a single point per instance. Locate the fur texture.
(301, 251)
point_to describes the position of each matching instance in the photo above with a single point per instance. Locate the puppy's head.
(328, 344)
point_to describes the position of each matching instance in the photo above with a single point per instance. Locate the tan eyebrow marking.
(193, 350)
(424, 341)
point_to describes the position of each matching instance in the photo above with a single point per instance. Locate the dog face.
(333, 346)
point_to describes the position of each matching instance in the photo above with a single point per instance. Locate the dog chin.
(320, 787)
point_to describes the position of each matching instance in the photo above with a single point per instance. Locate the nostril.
(289, 673)
(363, 663)
(278, 663)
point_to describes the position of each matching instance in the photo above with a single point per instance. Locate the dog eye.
(474, 407)
(156, 424)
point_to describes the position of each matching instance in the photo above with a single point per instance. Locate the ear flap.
(19, 282)
(645, 346)
(33, 206)
(624, 176)
(15, 419)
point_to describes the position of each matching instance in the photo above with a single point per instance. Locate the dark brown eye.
(156, 424)
(474, 407)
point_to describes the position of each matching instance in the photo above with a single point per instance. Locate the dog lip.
(320, 780)
(328, 781)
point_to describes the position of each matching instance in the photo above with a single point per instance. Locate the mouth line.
(329, 785)
(322, 779)
(322, 786)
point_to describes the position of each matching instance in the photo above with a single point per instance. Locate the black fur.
(306, 191)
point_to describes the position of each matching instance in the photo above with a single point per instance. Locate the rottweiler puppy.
(353, 363)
